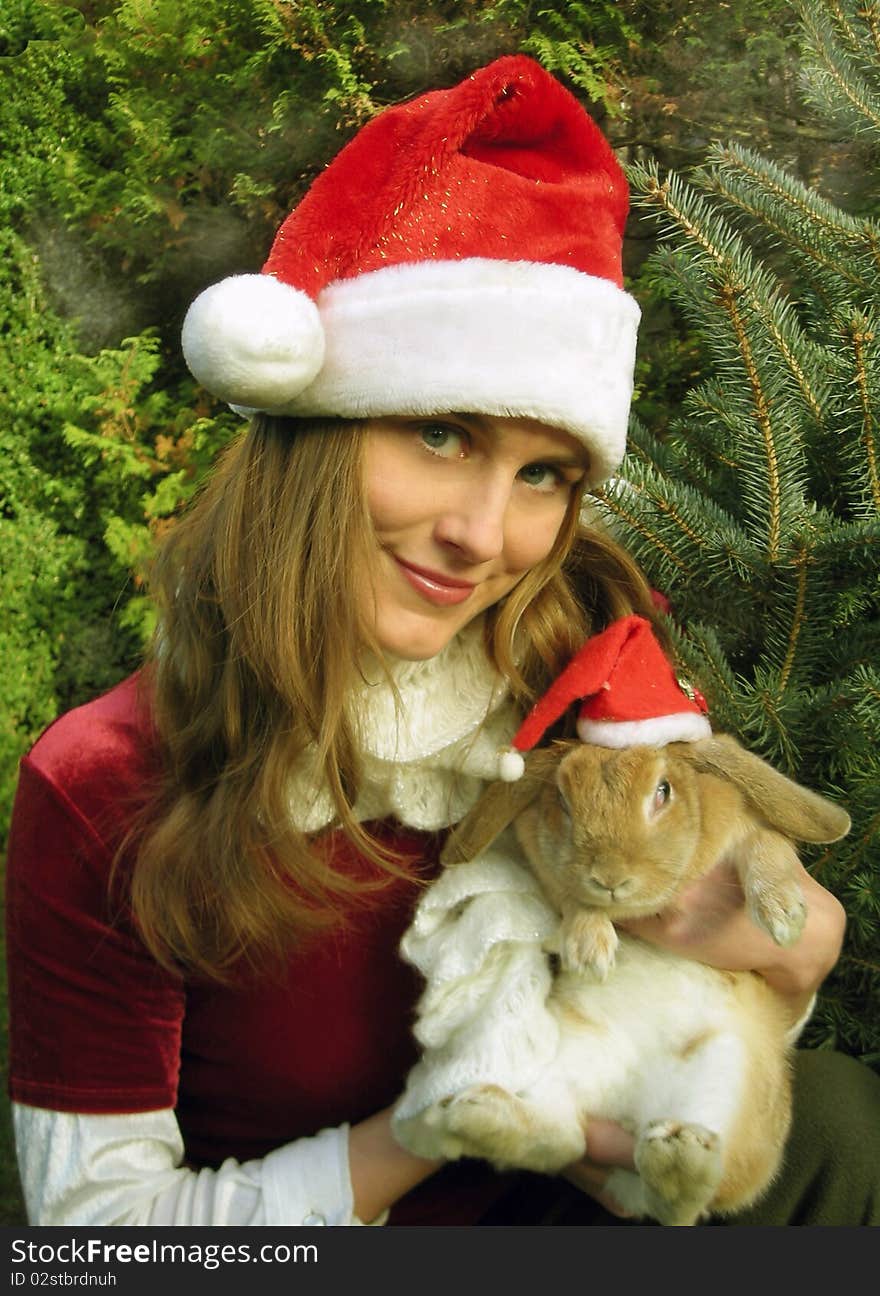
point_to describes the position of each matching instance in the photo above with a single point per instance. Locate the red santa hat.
(629, 694)
(462, 252)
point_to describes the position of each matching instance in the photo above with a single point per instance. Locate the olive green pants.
(830, 1174)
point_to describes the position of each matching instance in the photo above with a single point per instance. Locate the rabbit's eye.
(662, 793)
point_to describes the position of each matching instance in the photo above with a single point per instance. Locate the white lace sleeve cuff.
(98, 1170)
(308, 1182)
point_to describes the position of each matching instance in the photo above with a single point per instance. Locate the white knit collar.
(442, 700)
(426, 759)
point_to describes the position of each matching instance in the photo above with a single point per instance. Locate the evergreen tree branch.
(662, 195)
(729, 295)
(773, 311)
(844, 23)
(871, 14)
(612, 502)
(807, 389)
(772, 182)
(862, 844)
(816, 217)
(834, 77)
(860, 335)
(800, 562)
(726, 690)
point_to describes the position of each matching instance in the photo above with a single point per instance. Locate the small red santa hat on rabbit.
(629, 694)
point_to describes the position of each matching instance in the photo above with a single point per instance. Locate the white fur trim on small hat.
(480, 336)
(253, 341)
(684, 726)
(511, 766)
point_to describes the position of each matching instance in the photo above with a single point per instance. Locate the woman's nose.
(473, 521)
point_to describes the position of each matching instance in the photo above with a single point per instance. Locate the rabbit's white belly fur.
(658, 1038)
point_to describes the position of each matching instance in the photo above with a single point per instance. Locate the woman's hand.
(708, 922)
(609, 1146)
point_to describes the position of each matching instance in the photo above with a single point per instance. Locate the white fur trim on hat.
(684, 726)
(253, 341)
(481, 336)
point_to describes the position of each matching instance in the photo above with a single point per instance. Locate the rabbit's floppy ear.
(499, 806)
(791, 809)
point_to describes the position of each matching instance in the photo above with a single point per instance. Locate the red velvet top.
(96, 1026)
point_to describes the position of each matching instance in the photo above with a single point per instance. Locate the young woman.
(211, 867)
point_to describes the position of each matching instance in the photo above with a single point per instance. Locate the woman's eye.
(542, 477)
(662, 793)
(443, 439)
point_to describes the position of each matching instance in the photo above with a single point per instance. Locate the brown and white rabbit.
(693, 1060)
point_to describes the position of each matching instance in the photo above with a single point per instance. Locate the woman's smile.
(435, 587)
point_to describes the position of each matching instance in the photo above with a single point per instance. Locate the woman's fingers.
(592, 1179)
(609, 1145)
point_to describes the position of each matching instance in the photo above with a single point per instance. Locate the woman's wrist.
(381, 1170)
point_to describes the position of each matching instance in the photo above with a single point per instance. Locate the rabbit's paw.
(588, 942)
(485, 1120)
(427, 1135)
(779, 909)
(681, 1169)
(498, 1126)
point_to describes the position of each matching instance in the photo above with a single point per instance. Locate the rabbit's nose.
(615, 889)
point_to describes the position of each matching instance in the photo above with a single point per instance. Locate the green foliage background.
(150, 147)
(153, 146)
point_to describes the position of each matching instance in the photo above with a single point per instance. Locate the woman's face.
(462, 507)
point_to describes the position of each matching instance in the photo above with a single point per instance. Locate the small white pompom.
(511, 766)
(254, 341)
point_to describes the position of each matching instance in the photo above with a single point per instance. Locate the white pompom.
(511, 766)
(254, 341)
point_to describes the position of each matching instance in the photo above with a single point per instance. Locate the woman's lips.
(441, 590)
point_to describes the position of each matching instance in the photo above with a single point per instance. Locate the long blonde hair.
(259, 645)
